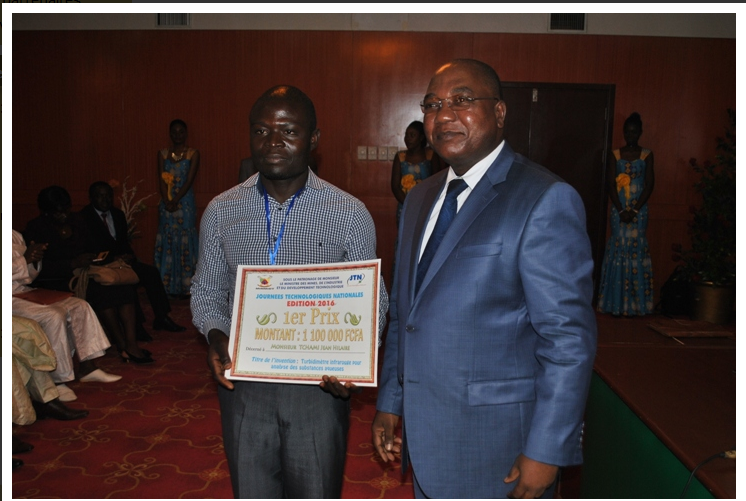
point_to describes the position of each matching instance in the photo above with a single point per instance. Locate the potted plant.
(710, 264)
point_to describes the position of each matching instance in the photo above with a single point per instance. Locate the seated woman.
(69, 323)
(68, 248)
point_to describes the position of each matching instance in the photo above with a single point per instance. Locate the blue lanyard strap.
(273, 251)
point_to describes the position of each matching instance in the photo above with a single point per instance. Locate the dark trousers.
(284, 440)
(150, 279)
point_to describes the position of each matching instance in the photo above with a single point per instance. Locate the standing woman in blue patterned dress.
(627, 275)
(412, 165)
(177, 242)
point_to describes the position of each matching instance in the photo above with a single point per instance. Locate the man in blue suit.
(492, 336)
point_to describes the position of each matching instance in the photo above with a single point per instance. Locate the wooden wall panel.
(681, 88)
(91, 105)
(391, 73)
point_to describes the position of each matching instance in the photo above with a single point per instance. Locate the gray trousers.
(284, 440)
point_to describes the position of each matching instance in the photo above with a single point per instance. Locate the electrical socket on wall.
(377, 152)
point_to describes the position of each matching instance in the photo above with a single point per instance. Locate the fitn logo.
(356, 279)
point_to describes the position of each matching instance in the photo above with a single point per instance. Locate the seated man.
(34, 392)
(70, 324)
(107, 227)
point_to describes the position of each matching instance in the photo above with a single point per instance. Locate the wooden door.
(567, 128)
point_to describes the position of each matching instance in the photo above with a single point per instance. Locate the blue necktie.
(445, 218)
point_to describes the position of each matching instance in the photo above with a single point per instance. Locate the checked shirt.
(325, 225)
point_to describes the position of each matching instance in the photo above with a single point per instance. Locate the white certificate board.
(294, 324)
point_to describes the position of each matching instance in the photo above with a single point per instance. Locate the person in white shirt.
(34, 393)
(70, 324)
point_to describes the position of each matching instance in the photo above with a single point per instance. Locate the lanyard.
(273, 252)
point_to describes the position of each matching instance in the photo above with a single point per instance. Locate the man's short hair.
(98, 184)
(485, 71)
(291, 94)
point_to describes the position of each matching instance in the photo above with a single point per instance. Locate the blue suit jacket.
(493, 357)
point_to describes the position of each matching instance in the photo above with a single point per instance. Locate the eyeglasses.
(456, 103)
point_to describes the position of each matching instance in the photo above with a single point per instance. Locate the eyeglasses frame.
(449, 102)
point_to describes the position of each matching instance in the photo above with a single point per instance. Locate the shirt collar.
(474, 175)
(313, 181)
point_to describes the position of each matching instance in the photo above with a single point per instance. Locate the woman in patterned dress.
(627, 276)
(412, 165)
(177, 241)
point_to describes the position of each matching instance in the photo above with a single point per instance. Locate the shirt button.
(410, 328)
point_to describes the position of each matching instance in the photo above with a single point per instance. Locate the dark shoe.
(17, 463)
(166, 324)
(57, 410)
(142, 334)
(20, 447)
(126, 358)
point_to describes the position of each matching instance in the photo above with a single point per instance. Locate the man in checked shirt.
(281, 440)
